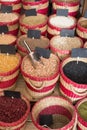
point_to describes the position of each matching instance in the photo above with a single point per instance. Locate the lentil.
(8, 62)
(77, 72)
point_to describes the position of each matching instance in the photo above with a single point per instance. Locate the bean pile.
(11, 109)
(77, 72)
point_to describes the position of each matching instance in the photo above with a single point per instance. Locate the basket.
(62, 46)
(43, 42)
(42, 26)
(16, 5)
(8, 39)
(59, 108)
(12, 25)
(85, 45)
(40, 86)
(8, 79)
(40, 6)
(81, 29)
(72, 6)
(82, 124)
(54, 27)
(70, 89)
(17, 125)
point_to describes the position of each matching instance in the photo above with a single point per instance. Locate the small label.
(41, 52)
(34, 34)
(46, 120)
(85, 14)
(62, 12)
(31, 12)
(12, 94)
(10, 49)
(67, 33)
(6, 9)
(3, 29)
(79, 52)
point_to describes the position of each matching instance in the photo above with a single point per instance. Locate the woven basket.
(12, 25)
(54, 30)
(22, 49)
(70, 89)
(82, 124)
(72, 6)
(16, 5)
(21, 122)
(85, 45)
(63, 49)
(81, 29)
(40, 86)
(8, 80)
(25, 27)
(64, 114)
(40, 6)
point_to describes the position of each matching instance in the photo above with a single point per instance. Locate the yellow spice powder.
(8, 62)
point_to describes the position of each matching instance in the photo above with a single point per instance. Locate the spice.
(8, 62)
(7, 39)
(11, 109)
(33, 43)
(8, 17)
(76, 72)
(48, 68)
(83, 23)
(62, 21)
(34, 20)
(82, 110)
(66, 43)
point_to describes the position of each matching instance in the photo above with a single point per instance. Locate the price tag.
(67, 33)
(41, 52)
(79, 52)
(6, 9)
(12, 94)
(34, 34)
(46, 120)
(3, 29)
(62, 12)
(30, 12)
(85, 14)
(10, 49)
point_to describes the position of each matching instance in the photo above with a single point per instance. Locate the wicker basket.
(81, 29)
(16, 5)
(62, 46)
(8, 80)
(82, 124)
(42, 26)
(70, 89)
(40, 6)
(12, 25)
(54, 30)
(40, 86)
(62, 111)
(72, 6)
(22, 49)
(17, 125)
(85, 45)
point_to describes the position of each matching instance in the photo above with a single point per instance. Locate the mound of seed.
(77, 72)
(11, 109)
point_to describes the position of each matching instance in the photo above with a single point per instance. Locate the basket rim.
(34, 3)
(9, 2)
(59, 97)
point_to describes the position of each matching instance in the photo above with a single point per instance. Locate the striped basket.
(16, 5)
(72, 6)
(25, 27)
(8, 80)
(40, 6)
(17, 125)
(62, 111)
(82, 124)
(39, 87)
(70, 89)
